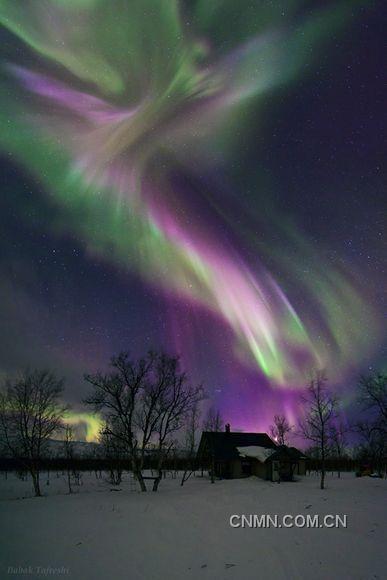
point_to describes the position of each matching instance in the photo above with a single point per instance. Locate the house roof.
(256, 452)
(224, 445)
(287, 453)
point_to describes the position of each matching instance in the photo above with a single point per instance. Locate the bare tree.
(114, 450)
(116, 395)
(213, 421)
(373, 397)
(280, 430)
(30, 413)
(320, 411)
(190, 442)
(167, 402)
(373, 430)
(374, 444)
(338, 437)
(68, 445)
(144, 402)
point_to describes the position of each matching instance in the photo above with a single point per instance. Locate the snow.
(257, 452)
(184, 532)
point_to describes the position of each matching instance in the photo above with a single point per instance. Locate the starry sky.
(203, 179)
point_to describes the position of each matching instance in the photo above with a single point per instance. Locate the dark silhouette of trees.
(373, 398)
(114, 451)
(373, 430)
(280, 430)
(166, 402)
(68, 448)
(30, 413)
(190, 442)
(213, 421)
(116, 395)
(144, 402)
(373, 446)
(319, 415)
(338, 437)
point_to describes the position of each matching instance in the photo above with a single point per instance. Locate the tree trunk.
(157, 481)
(322, 470)
(159, 477)
(36, 482)
(137, 470)
(138, 475)
(69, 480)
(186, 475)
(189, 469)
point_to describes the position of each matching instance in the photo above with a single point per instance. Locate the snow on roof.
(260, 453)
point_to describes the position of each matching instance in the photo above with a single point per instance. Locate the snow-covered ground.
(184, 532)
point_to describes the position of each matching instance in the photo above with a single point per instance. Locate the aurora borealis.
(186, 175)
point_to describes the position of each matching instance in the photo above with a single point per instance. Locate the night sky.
(205, 178)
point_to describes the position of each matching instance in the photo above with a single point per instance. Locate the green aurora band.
(119, 94)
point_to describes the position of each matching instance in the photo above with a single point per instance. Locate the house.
(233, 455)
